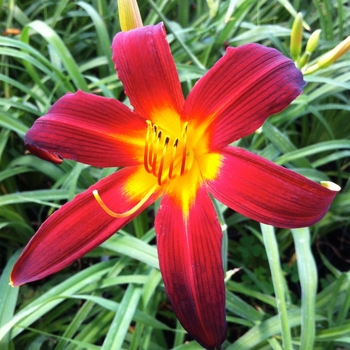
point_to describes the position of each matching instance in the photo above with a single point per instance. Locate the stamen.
(171, 166)
(154, 164)
(184, 152)
(161, 165)
(148, 146)
(150, 158)
(158, 159)
(126, 213)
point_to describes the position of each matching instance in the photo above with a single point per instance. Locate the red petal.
(241, 91)
(146, 67)
(90, 129)
(189, 250)
(268, 193)
(81, 225)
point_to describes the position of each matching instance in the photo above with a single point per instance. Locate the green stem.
(272, 252)
(184, 13)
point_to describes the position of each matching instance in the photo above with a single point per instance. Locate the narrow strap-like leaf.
(308, 281)
(271, 247)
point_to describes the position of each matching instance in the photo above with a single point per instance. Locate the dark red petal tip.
(40, 153)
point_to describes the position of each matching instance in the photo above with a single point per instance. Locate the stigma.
(166, 156)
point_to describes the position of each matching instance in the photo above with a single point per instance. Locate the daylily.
(178, 150)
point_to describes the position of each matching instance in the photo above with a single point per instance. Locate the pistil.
(128, 212)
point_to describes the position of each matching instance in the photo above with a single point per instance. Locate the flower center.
(166, 157)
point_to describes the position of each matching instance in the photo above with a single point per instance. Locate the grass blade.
(271, 247)
(62, 52)
(308, 281)
(121, 322)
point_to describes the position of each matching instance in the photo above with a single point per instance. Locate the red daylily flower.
(177, 150)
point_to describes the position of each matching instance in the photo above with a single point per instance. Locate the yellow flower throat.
(166, 157)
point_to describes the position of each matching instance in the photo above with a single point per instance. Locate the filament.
(154, 165)
(171, 166)
(161, 165)
(184, 135)
(148, 145)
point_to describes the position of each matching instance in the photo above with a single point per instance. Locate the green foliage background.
(284, 289)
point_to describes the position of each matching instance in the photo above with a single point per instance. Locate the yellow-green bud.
(333, 55)
(213, 7)
(129, 15)
(296, 36)
(310, 48)
(313, 41)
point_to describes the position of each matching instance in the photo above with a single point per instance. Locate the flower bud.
(333, 55)
(310, 48)
(330, 57)
(313, 41)
(129, 15)
(296, 36)
(213, 7)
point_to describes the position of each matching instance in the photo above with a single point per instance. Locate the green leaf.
(121, 322)
(56, 295)
(134, 248)
(8, 298)
(61, 51)
(308, 282)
